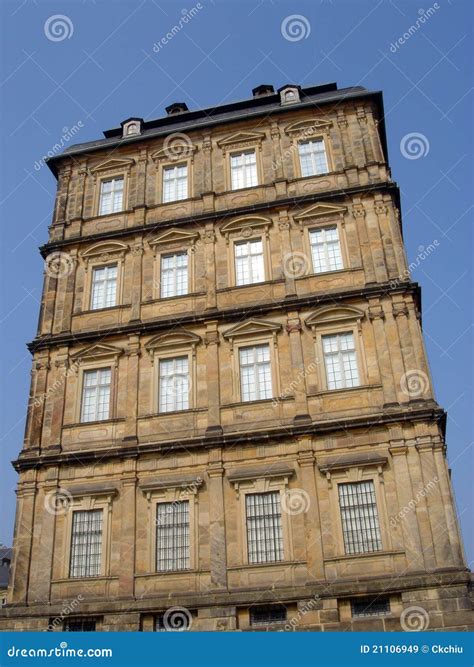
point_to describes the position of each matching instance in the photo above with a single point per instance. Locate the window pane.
(86, 543)
(111, 196)
(172, 536)
(104, 287)
(326, 249)
(174, 275)
(173, 384)
(175, 183)
(255, 373)
(340, 361)
(243, 169)
(360, 522)
(96, 395)
(249, 264)
(313, 158)
(264, 532)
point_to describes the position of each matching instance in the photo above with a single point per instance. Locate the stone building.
(231, 421)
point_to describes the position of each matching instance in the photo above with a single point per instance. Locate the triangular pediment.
(175, 235)
(244, 222)
(175, 338)
(114, 164)
(308, 126)
(252, 328)
(105, 248)
(176, 149)
(241, 137)
(319, 210)
(98, 351)
(334, 314)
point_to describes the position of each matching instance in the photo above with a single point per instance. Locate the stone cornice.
(429, 412)
(300, 201)
(242, 313)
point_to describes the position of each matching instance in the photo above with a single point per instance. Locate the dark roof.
(5, 552)
(202, 118)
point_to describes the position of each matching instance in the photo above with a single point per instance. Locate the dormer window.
(132, 129)
(289, 94)
(131, 126)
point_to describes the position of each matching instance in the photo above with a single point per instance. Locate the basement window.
(86, 624)
(268, 614)
(373, 606)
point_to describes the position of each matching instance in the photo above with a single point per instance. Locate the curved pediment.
(175, 338)
(246, 222)
(114, 164)
(319, 210)
(175, 150)
(98, 351)
(174, 235)
(241, 138)
(105, 248)
(329, 314)
(252, 328)
(308, 127)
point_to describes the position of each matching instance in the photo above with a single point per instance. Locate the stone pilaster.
(126, 569)
(136, 280)
(211, 341)
(298, 388)
(312, 519)
(217, 538)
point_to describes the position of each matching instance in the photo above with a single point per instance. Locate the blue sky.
(103, 69)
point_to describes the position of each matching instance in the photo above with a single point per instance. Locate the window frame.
(358, 482)
(103, 178)
(276, 548)
(92, 365)
(173, 503)
(85, 372)
(240, 152)
(340, 354)
(162, 353)
(313, 139)
(173, 253)
(238, 242)
(97, 267)
(324, 228)
(249, 345)
(173, 355)
(174, 165)
(162, 162)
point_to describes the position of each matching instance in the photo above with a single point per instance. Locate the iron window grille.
(267, 614)
(264, 530)
(360, 522)
(375, 606)
(326, 249)
(86, 543)
(177, 622)
(80, 625)
(172, 536)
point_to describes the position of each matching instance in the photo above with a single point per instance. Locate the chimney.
(263, 90)
(177, 107)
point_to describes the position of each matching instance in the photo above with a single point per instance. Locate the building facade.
(231, 422)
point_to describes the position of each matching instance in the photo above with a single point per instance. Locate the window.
(86, 543)
(255, 373)
(362, 607)
(325, 249)
(172, 536)
(173, 621)
(265, 615)
(340, 361)
(96, 395)
(111, 196)
(249, 266)
(104, 287)
(243, 170)
(174, 274)
(174, 384)
(360, 522)
(80, 625)
(175, 183)
(264, 532)
(313, 158)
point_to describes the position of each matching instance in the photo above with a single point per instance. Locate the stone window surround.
(309, 130)
(174, 241)
(235, 144)
(253, 332)
(99, 255)
(169, 490)
(332, 321)
(261, 479)
(105, 171)
(353, 468)
(308, 223)
(169, 346)
(174, 156)
(93, 497)
(247, 228)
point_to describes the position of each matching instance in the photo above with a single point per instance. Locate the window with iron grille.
(340, 360)
(375, 606)
(111, 196)
(249, 265)
(96, 395)
(264, 531)
(175, 183)
(174, 384)
(313, 158)
(179, 621)
(255, 373)
(86, 543)
(174, 274)
(360, 521)
(267, 614)
(243, 170)
(172, 536)
(80, 625)
(104, 287)
(326, 249)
